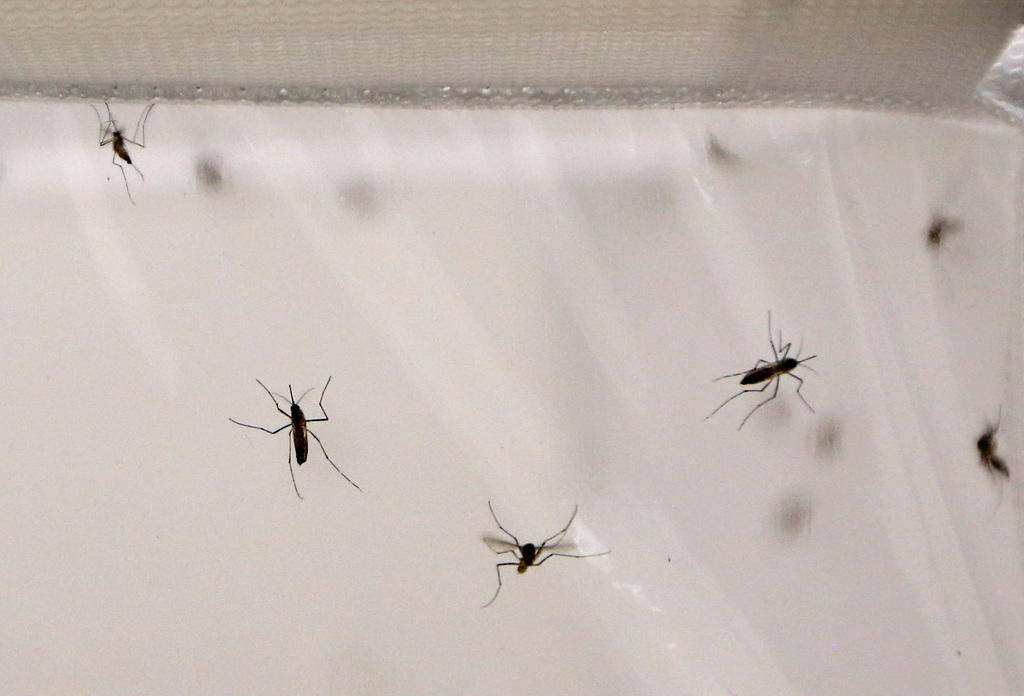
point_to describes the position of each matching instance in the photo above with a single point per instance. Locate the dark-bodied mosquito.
(111, 134)
(938, 229)
(527, 554)
(992, 462)
(768, 372)
(297, 423)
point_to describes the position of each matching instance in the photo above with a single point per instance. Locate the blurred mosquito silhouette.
(297, 423)
(527, 554)
(768, 372)
(111, 134)
(992, 462)
(938, 229)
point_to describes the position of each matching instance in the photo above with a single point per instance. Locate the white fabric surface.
(526, 307)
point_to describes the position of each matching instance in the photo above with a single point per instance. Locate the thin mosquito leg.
(113, 161)
(573, 555)
(321, 403)
(563, 530)
(745, 391)
(758, 364)
(798, 391)
(138, 171)
(104, 127)
(329, 460)
(505, 551)
(259, 427)
(291, 469)
(774, 394)
(276, 405)
(500, 527)
(999, 502)
(143, 117)
(770, 342)
(497, 569)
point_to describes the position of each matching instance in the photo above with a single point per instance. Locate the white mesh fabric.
(919, 53)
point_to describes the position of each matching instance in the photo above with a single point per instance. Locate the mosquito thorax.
(297, 412)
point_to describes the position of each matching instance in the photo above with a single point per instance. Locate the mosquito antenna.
(304, 394)
(801, 362)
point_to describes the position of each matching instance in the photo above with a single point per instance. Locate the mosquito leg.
(291, 469)
(143, 117)
(740, 393)
(276, 405)
(497, 569)
(321, 403)
(113, 161)
(573, 555)
(740, 374)
(563, 530)
(774, 394)
(103, 131)
(798, 391)
(329, 460)
(770, 341)
(258, 427)
(500, 527)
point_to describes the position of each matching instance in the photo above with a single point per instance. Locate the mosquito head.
(787, 364)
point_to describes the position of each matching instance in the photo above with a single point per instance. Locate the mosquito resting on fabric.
(527, 554)
(992, 462)
(768, 372)
(297, 422)
(111, 134)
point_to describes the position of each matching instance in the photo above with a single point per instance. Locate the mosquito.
(938, 229)
(111, 134)
(527, 554)
(299, 430)
(768, 372)
(992, 462)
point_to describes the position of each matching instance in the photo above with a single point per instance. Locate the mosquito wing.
(499, 545)
(563, 547)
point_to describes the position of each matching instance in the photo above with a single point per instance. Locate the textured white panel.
(923, 54)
